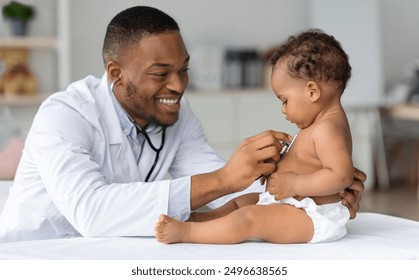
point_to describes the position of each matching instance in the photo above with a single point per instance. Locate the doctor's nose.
(177, 82)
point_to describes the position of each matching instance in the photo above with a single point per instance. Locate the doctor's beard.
(140, 107)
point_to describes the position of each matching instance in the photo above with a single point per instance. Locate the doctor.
(96, 159)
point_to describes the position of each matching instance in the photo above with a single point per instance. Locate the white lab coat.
(78, 175)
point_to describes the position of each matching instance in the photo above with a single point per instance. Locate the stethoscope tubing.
(157, 150)
(146, 136)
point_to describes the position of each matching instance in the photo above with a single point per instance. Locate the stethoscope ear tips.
(114, 81)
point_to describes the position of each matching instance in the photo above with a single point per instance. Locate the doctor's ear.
(113, 70)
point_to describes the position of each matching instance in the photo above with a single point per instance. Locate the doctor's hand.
(351, 196)
(256, 156)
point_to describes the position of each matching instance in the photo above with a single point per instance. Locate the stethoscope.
(146, 136)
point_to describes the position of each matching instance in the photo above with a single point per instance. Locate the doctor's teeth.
(168, 101)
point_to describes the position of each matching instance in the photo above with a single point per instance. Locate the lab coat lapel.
(123, 154)
(118, 144)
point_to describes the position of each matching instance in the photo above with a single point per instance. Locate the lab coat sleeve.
(61, 147)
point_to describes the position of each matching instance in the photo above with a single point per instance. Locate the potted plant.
(19, 14)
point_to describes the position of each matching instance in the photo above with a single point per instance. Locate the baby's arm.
(333, 147)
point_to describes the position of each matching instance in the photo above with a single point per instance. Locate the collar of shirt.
(126, 124)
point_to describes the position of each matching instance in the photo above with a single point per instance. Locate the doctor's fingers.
(266, 139)
(352, 207)
(269, 154)
(351, 198)
(265, 169)
(353, 193)
(357, 186)
(281, 136)
(359, 175)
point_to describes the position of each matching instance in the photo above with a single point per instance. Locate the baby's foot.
(169, 230)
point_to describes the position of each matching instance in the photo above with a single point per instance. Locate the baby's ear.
(313, 90)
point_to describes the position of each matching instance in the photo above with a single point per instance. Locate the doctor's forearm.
(208, 187)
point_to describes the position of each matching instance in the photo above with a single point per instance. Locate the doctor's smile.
(170, 105)
(169, 102)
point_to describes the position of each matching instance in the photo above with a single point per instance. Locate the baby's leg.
(278, 223)
(230, 206)
(282, 224)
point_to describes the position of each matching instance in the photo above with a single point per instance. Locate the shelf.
(408, 112)
(23, 100)
(29, 42)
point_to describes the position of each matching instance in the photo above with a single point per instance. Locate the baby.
(309, 75)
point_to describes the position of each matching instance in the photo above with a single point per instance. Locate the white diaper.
(329, 220)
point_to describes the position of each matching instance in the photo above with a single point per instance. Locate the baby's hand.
(280, 185)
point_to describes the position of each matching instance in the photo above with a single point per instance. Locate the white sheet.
(370, 236)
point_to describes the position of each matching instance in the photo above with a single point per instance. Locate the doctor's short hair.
(130, 26)
(315, 55)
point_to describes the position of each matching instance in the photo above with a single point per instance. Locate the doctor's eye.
(160, 74)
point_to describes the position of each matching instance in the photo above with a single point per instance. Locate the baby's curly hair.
(315, 55)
